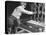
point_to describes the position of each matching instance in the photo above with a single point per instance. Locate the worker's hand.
(35, 12)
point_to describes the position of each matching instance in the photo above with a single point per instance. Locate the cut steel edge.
(36, 23)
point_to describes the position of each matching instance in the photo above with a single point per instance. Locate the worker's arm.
(27, 12)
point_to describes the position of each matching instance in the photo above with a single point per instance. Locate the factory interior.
(29, 23)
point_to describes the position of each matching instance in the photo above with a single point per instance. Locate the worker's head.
(23, 4)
